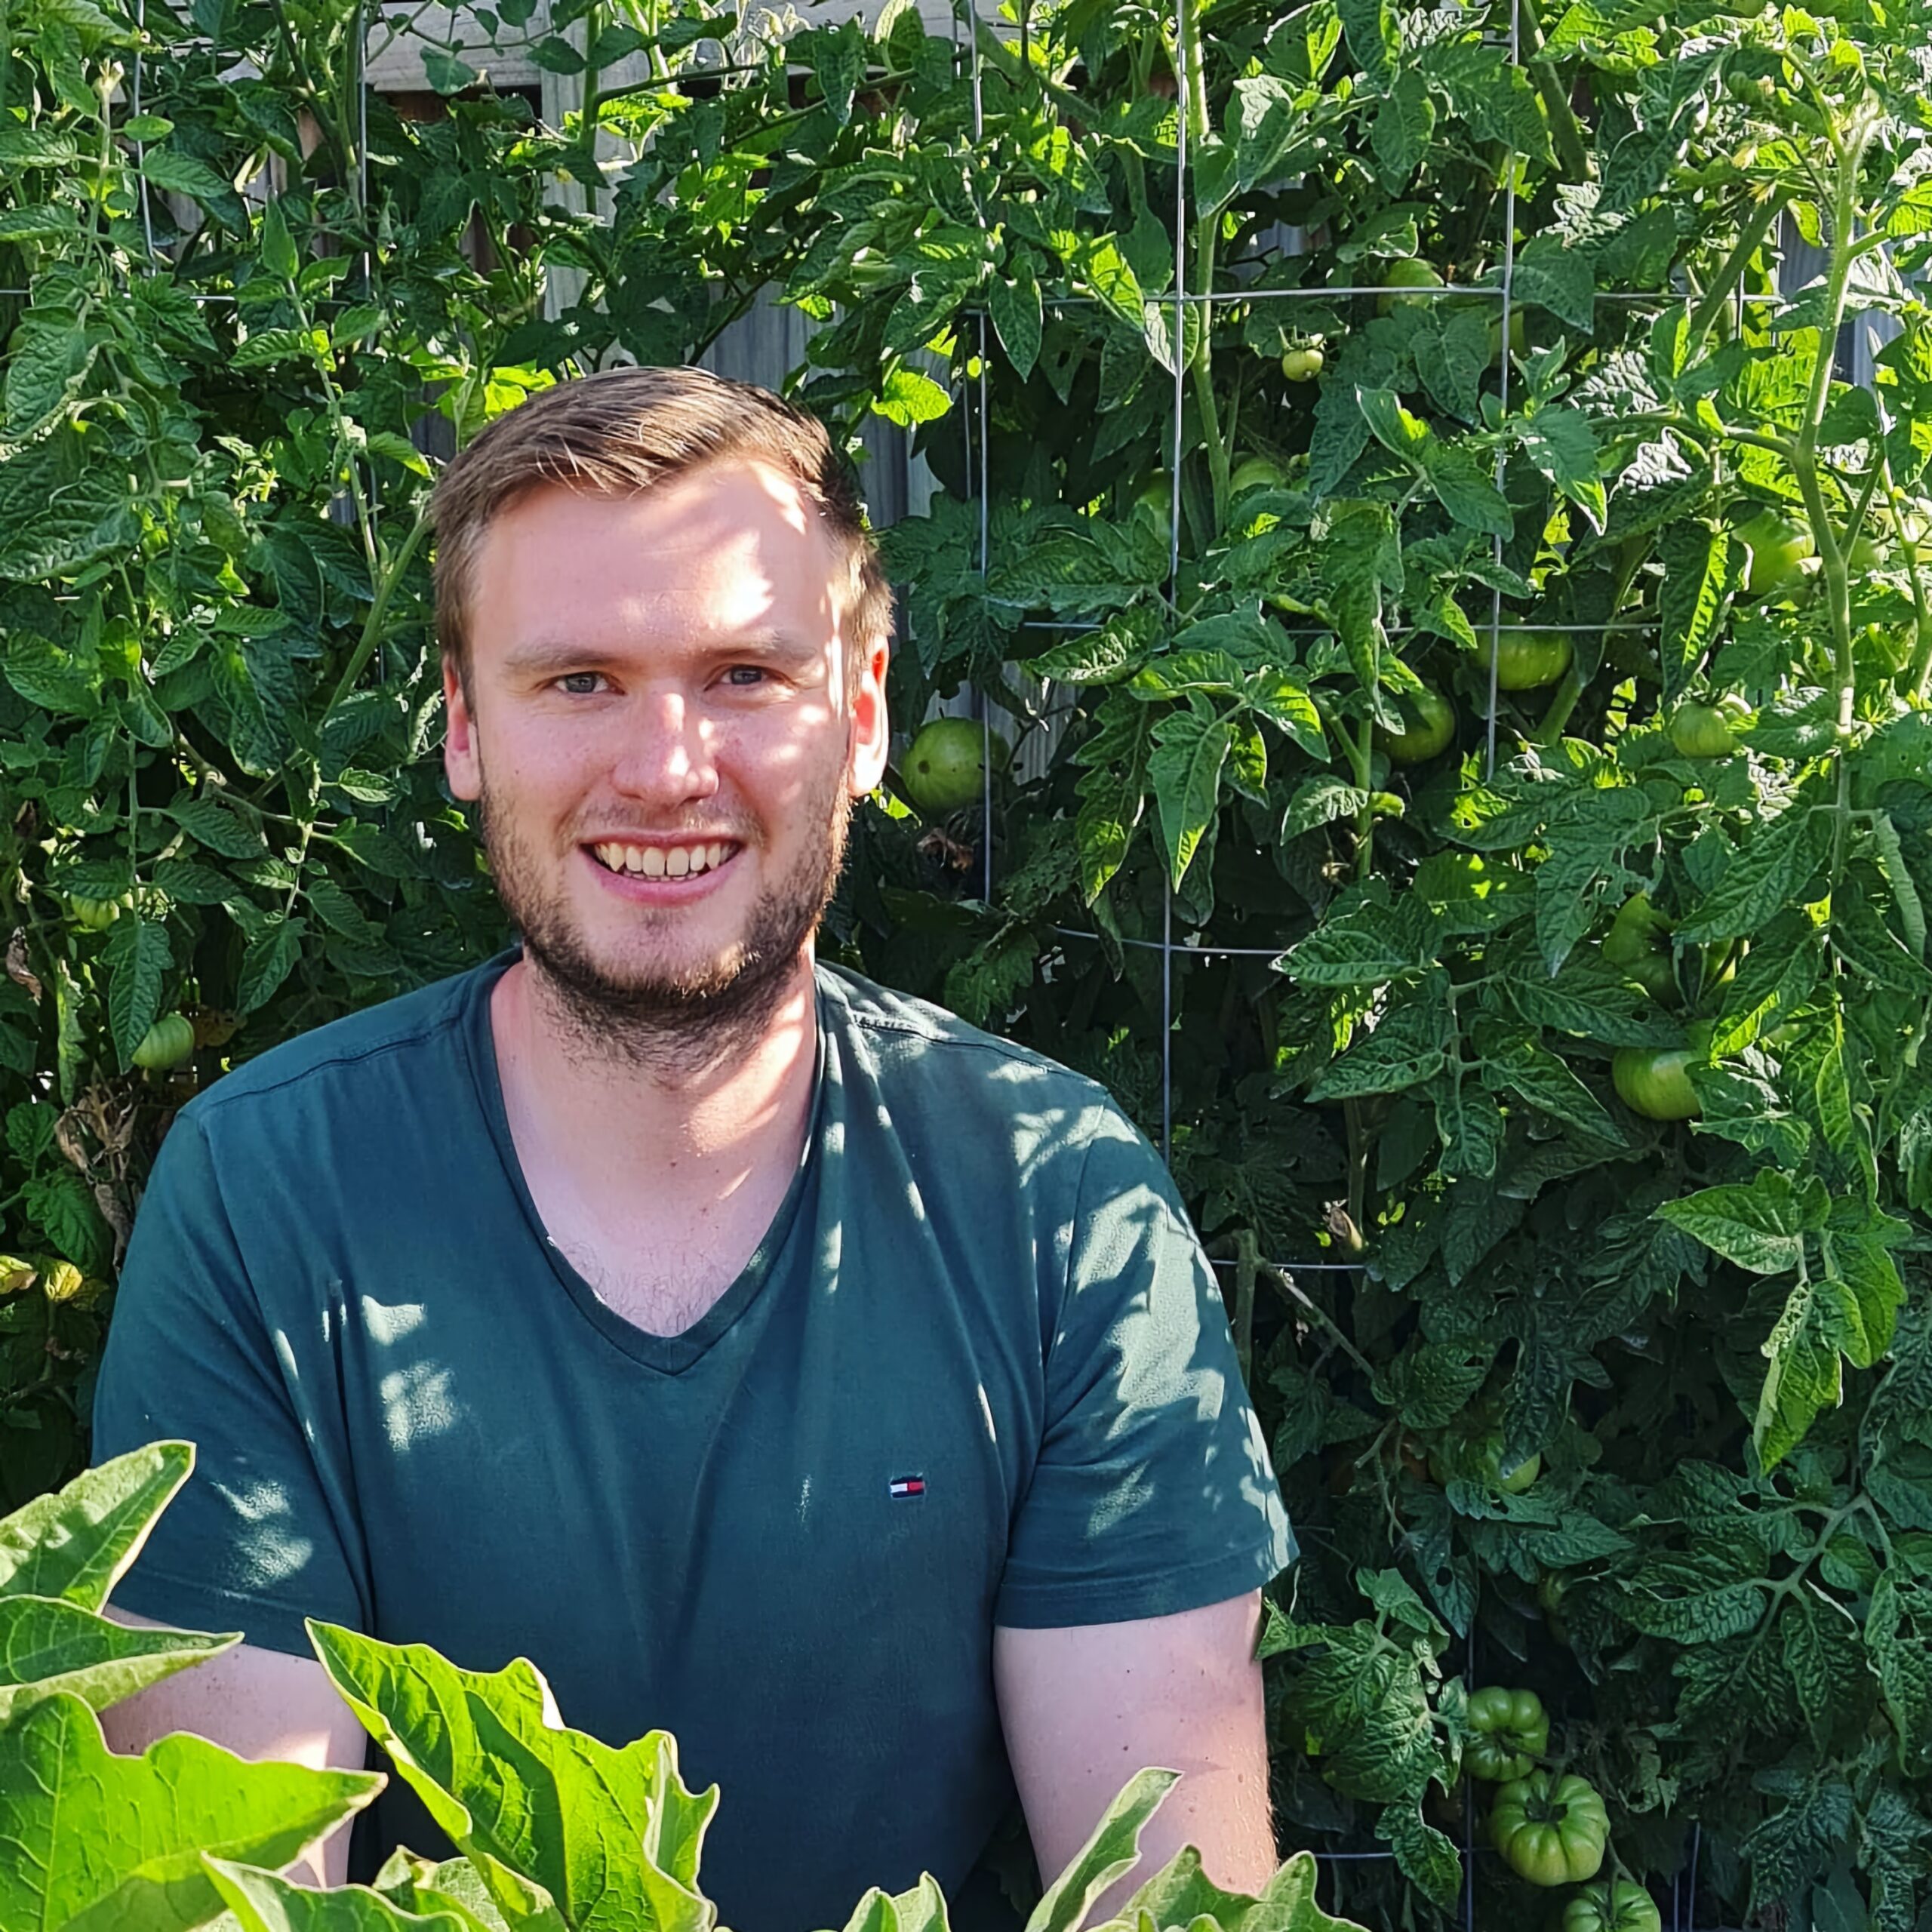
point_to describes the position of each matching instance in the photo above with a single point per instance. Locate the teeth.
(655, 862)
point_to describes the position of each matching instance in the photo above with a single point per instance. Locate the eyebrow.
(553, 656)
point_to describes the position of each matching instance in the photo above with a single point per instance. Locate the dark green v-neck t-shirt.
(977, 1373)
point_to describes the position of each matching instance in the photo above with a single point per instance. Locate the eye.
(581, 684)
(744, 676)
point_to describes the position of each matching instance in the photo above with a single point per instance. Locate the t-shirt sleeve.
(1152, 1492)
(259, 1536)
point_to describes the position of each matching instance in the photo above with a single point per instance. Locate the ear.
(463, 763)
(871, 730)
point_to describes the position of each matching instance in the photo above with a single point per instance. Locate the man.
(771, 1358)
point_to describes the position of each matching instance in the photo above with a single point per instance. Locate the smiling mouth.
(663, 861)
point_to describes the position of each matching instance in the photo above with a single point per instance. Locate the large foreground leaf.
(96, 1843)
(921, 1909)
(78, 1543)
(263, 1902)
(48, 1646)
(1108, 1854)
(420, 1884)
(612, 1836)
(1182, 1894)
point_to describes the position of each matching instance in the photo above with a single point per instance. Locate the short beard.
(678, 1025)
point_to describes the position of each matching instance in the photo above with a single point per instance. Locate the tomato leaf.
(1760, 1226)
(1404, 1049)
(1190, 747)
(1017, 312)
(1764, 876)
(138, 957)
(1428, 1859)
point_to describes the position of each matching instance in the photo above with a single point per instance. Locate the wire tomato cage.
(971, 394)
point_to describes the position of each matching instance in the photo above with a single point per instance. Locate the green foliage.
(559, 1833)
(1699, 1340)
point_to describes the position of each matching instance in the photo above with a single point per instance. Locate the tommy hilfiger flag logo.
(907, 1486)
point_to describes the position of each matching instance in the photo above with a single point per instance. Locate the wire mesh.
(1502, 291)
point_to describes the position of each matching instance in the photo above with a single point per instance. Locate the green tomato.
(1551, 1831)
(1157, 494)
(1705, 731)
(1433, 732)
(167, 1043)
(1779, 545)
(1256, 472)
(96, 915)
(1473, 1451)
(945, 768)
(1510, 1730)
(1303, 365)
(1405, 272)
(1637, 929)
(1635, 945)
(1527, 659)
(1864, 554)
(1605, 1907)
(1654, 1081)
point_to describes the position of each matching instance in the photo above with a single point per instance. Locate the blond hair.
(621, 433)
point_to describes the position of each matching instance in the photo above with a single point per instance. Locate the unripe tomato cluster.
(1551, 1827)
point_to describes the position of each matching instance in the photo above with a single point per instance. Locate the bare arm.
(259, 1704)
(1084, 1709)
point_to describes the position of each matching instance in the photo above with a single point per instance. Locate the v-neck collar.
(670, 1354)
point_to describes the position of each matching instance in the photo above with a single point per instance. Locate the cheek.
(538, 759)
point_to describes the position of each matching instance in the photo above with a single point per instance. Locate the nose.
(665, 757)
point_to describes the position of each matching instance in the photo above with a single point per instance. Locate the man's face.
(656, 719)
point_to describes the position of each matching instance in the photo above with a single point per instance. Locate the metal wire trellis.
(974, 401)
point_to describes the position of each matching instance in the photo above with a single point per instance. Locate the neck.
(636, 1104)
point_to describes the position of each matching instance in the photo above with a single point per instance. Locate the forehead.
(727, 548)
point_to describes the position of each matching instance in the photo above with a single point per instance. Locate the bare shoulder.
(256, 1703)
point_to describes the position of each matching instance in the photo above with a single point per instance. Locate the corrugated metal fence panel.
(406, 28)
